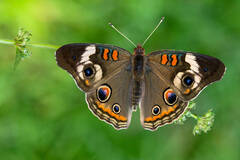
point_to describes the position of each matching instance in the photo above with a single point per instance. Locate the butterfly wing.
(110, 101)
(102, 71)
(172, 79)
(160, 104)
(186, 72)
(89, 64)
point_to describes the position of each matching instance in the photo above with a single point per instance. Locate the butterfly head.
(139, 50)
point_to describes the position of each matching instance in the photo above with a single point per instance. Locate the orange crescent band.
(154, 118)
(109, 112)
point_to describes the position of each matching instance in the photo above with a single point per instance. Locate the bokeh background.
(43, 115)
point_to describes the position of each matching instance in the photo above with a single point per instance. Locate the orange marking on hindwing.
(187, 91)
(115, 55)
(154, 118)
(87, 82)
(174, 60)
(105, 54)
(164, 59)
(109, 112)
(175, 106)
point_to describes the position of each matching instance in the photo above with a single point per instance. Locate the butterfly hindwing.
(160, 105)
(110, 101)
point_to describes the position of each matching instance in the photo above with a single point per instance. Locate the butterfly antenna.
(122, 34)
(153, 30)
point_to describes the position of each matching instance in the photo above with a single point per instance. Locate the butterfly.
(116, 82)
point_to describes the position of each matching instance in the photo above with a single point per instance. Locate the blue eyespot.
(156, 110)
(170, 97)
(103, 93)
(74, 58)
(88, 71)
(116, 108)
(188, 81)
(205, 69)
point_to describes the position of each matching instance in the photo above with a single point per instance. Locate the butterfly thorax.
(138, 63)
(139, 50)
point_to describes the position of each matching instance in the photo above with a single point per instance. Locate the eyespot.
(156, 110)
(205, 69)
(104, 93)
(89, 71)
(74, 58)
(116, 108)
(187, 81)
(170, 97)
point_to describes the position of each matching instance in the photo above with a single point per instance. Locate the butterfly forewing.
(89, 64)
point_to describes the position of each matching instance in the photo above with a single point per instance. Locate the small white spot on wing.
(190, 56)
(197, 78)
(89, 50)
(191, 59)
(79, 68)
(81, 75)
(98, 75)
(195, 69)
(177, 80)
(88, 62)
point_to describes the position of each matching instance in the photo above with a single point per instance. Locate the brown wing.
(103, 72)
(160, 104)
(110, 101)
(89, 64)
(172, 79)
(186, 72)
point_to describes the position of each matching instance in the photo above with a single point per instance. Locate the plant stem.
(9, 42)
(6, 42)
(44, 46)
(193, 116)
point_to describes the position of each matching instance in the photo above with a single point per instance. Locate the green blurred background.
(43, 115)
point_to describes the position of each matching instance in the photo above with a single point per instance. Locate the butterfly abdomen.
(137, 92)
